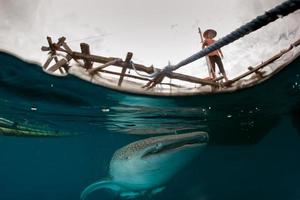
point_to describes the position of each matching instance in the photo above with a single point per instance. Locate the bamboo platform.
(94, 68)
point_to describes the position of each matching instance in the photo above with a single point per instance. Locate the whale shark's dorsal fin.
(106, 183)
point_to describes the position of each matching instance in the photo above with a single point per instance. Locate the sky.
(155, 31)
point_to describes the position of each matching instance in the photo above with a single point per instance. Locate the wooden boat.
(83, 64)
(243, 111)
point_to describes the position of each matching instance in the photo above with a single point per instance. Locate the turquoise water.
(253, 151)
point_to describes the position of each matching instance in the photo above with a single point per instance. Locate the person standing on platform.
(215, 56)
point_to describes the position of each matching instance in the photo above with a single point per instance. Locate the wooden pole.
(206, 57)
(95, 70)
(127, 60)
(85, 49)
(53, 52)
(48, 61)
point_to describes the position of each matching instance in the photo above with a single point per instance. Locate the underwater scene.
(64, 138)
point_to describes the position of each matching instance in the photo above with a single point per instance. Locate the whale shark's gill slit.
(103, 184)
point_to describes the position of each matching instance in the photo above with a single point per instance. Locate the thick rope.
(279, 11)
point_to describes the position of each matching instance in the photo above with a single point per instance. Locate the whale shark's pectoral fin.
(105, 184)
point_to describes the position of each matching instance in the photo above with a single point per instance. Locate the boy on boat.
(215, 56)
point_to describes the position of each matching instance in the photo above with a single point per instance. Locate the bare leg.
(213, 69)
(221, 68)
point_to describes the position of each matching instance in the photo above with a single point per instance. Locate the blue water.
(253, 152)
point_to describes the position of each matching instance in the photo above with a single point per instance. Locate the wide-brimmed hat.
(210, 32)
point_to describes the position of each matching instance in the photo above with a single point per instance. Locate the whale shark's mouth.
(174, 144)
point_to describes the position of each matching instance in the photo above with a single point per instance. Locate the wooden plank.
(127, 75)
(191, 79)
(69, 51)
(45, 48)
(48, 61)
(61, 40)
(259, 74)
(49, 40)
(128, 57)
(219, 78)
(57, 65)
(52, 47)
(127, 60)
(101, 59)
(95, 70)
(297, 43)
(135, 77)
(196, 80)
(85, 49)
(62, 62)
(53, 53)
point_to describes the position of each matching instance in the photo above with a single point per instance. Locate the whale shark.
(143, 167)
